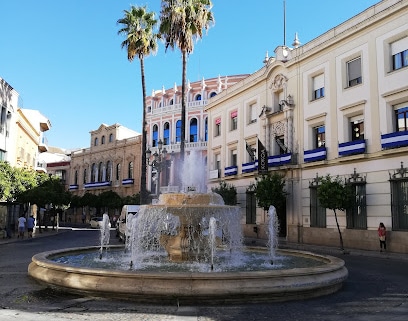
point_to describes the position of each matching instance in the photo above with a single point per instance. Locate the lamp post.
(158, 162)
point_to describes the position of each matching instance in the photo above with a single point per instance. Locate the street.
(377, 289)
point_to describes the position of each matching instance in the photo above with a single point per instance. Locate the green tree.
(227, 191)
(270, 190)
(181, 23)
(110, 200)
(141, 40)
(334, 194)
(131, 200)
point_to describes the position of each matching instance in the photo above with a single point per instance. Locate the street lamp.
(158, 162)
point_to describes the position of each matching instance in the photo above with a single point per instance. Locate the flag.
(262, 159)
(250, 152)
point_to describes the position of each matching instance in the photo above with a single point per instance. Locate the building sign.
(262, 158)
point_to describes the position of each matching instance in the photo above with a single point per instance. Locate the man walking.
(30, 226)
(21, 226)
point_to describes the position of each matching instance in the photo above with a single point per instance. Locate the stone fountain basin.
(194, 287)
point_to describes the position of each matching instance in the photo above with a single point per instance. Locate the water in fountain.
(273, 232)
(105, 233)
(193, 173)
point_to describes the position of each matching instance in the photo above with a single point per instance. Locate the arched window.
(193, 130)
(206, 129)
(166, 134)
(76, 178)
(103, 140)
(100, 172)
(171, 102)
(130, 174)
(118, 172)
(110, 138)
(93, 173)
(96, 141)
(108, 171)
(85, 176)
(155, 135)
(213, 94)
(178, 131)
(198, 97)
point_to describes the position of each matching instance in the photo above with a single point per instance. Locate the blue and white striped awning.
(231, 170)
(393, 140)
(315, 154)
(354, 147)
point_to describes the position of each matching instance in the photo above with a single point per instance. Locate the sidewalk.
(36, 234)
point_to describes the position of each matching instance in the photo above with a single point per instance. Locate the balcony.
(73, 187)
(43, 144)
(354, 147)
(394, 140)
(314, 155)
(97, 184)
(231, 170)
(280, 160)
(41, 167)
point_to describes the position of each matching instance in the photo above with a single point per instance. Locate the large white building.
(336, 105)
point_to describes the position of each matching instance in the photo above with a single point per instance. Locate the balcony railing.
(314, 155)
(128, 181)
(354, 147)
(279, 160)
(394, 140)
(249, 167)
(97, 184)
(231, 170)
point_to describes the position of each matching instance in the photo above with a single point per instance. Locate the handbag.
(382, 238)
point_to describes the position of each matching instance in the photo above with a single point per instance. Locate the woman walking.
(382, 234)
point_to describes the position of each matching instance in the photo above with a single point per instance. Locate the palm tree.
(181, 23)
(141, 40)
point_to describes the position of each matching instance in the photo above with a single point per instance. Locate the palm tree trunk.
(183, 106)
(338, 229)
(143, 190)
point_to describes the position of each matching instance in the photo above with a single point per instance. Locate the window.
(2, 155)
(130, 170)
(213, 94)
(250, 208)
(317, 212)
(357, 128)
(318, 87)
(100, 172)
(103, 140)
(217, 127)
(217, 162)
(76, 178)
(93, 173)
(84, 176)
(198, 97)
(155, 137)
(233, 157)
(354, 72)
(280, 141)
(110, 138)
(108, 171)
(178, 131)
(193, 130)
(171, 102)
(166, 134)
(320, 136)
(399, 52)
(96, 141)
(252, 113)
(401, 116)
(117, 172)
(399, 203)
(206, 129)
(234, 120)
(356, 215)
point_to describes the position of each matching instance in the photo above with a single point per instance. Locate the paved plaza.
(377, 289)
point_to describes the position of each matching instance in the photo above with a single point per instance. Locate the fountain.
(177, 234)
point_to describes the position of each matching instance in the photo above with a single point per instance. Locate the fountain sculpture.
(193, 226)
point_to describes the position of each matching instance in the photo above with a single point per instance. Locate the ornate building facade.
(336, 105)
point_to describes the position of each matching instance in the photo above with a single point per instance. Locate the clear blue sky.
(64, 57)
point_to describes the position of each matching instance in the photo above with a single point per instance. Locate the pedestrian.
(30, 226)
(21, 226)
(382, 234)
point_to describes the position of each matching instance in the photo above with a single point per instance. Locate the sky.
(64, 58)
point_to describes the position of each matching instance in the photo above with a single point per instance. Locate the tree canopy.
(270, 190)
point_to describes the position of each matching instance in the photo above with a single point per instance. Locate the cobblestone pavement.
(377, 289)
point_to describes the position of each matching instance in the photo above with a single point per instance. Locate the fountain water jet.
(191, 227)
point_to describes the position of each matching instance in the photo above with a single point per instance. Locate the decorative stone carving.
(279, 82)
